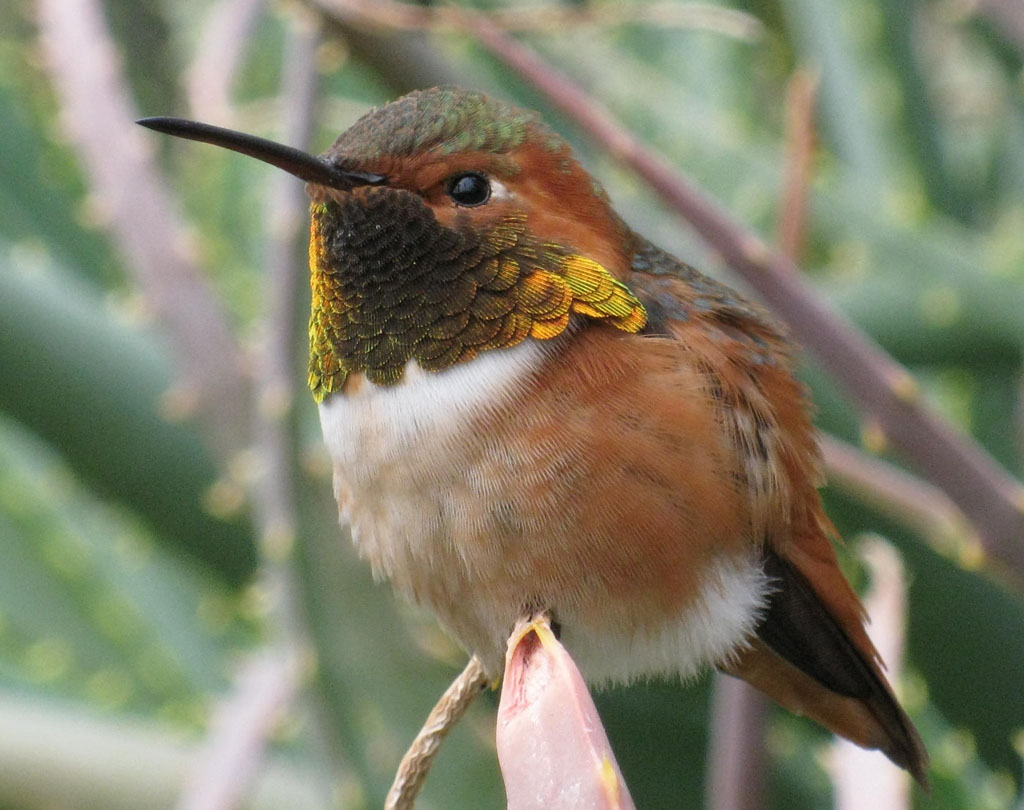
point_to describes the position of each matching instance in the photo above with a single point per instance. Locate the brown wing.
(812, 653)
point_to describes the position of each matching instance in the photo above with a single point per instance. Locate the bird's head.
(444, 224)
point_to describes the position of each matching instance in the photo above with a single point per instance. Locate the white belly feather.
(396, 448)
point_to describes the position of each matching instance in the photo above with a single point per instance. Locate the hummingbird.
(530, 407)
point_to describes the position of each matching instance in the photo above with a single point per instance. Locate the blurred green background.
(138, 575)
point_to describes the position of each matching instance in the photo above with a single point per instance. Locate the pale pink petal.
(552, 748)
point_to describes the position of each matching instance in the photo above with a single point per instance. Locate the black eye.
(469, 189)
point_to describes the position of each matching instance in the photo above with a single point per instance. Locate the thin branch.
(892, 491)
(553, 19)
(209, 80)
(416, 764)
(143, 219)
(864, 780)
(286, 292)
(1004, 16)
(277, 428)
(238, 738)
(800, 94)
(736, 760)
(903, 497)
(230, 758)
(990, 497)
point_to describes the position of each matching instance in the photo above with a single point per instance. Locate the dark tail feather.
(805, 661)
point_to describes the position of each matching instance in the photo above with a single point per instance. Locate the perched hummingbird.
(530, 407)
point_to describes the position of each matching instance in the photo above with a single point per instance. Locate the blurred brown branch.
(225, 767)
(736, 758)
(896, 493)
(227, 32)
(287, 286)
(800, 95)
(237, 741)
(902, 497)
(1005, 16)
(551, 18)
(144, 219)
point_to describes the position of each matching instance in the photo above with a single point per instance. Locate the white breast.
(397, 450)
(424, 403)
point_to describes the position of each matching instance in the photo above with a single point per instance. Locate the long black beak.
(311, 168)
